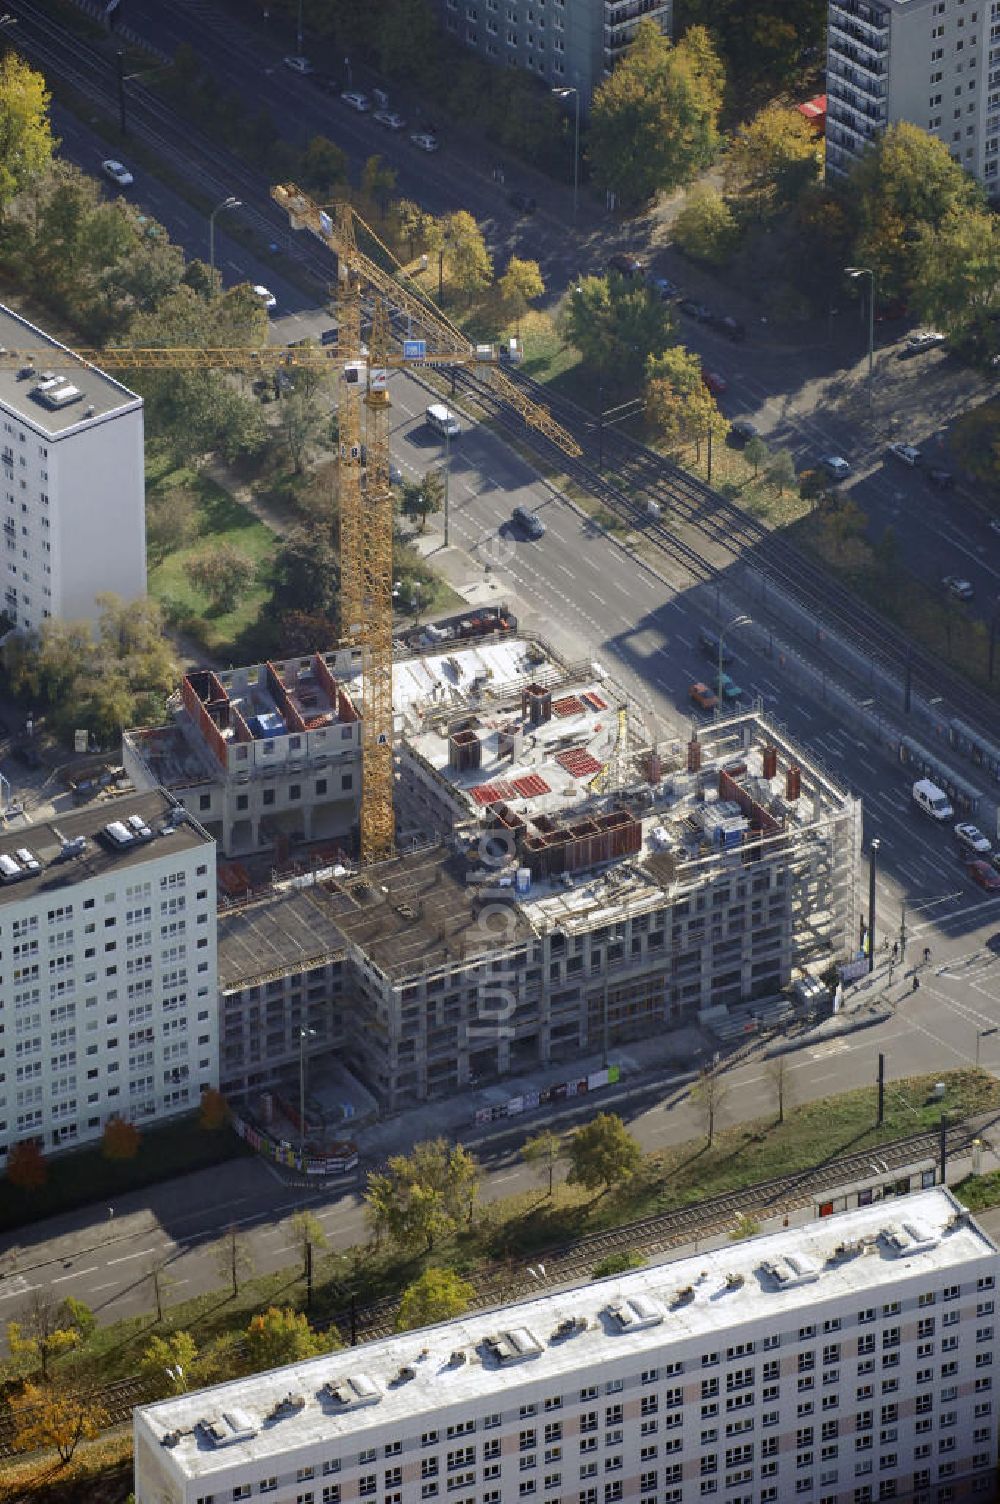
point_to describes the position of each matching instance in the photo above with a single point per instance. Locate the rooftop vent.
(28, 860)
(10, 870)
(513, 1346)
(74, 847)
(290, 1404)
(228, 1428)
(792, 1270)
(170, 1438)
(569, 1327)
(139, 828)
(637, 1313)
(405, 1374)
(353, 1392)
(118, 834)
(55, 391)
(910, 1237)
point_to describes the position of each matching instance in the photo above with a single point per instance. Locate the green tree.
(780, 471)
(654, 121)
(26, 141)
(425, 499)
(378, 182)
(905, 186)
(772, 160)
(323, 168)
(407, 39)
(423, 1196)
(52, 1415)
(706, 227)
(617, 326)
(224, 574)
(307, 1233)
(171, 521)
(307, 571)
(302, 419)
(542, 1152)
(679, 407)
(470, 265)
(168, 1364)
(957, 282)
(281, 1335)
(437, 1295)
(233, 1258)
(756, 453)
(602, 1153)
(520, 284)
(709, 1096)
(762, 45)
(49, 1330)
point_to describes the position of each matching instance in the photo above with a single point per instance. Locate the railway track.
(640, 474)
(652, 1236)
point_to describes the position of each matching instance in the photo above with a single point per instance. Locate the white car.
(117, 172)
(923, 339)
(836, 467)
(424, 140)
(266, 297)
(971, 838)
(298, 64)
(357, 100)
(905, 453)
(390, 120)
(961, 589)
(995, 524)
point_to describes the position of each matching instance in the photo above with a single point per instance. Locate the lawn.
(979, 1192)
(220, 519)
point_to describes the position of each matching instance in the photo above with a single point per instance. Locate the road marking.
(835, 1047)
(77, 1273)
(597, 598)
(107, 1286)
(142, 1254)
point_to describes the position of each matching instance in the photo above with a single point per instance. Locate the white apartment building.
(72, 482)
(849, 1361)
(935, 63)
(108, 987)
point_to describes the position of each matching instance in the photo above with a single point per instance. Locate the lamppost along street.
(304, 1034)
(227, 203)
(872, 877)
(737, 621)
(564, 93)
(867, 271)
(982, 1034)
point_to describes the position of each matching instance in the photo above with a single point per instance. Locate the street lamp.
(564, 93)
(304, 1034)
(867, 271)
(737, 621)
(872, 876)
(227, 203)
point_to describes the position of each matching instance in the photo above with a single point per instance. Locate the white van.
(932, 800)
(443, 421)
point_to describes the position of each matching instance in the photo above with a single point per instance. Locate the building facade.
(264, 756)
(567, 43)
(72, 479)
(108, 986)
(935, 63)
(849, 1361)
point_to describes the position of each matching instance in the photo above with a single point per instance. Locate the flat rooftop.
(286, 931)
(39, 388)
(604, 1326)
(415, 912)
(56, 852)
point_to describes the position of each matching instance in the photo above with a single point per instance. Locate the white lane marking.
(77, 1274)
(142, 1254)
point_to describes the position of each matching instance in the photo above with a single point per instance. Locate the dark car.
(695, 310)
(942, 479)
(730, 327)
(625, 264)
(741, 430)
(529, 522)
(522, 201)
(709, 644)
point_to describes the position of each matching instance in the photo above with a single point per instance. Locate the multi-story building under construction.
(561, 888)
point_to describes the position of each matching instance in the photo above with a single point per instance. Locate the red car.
(705, 700)
(985, 875)
(716, 384)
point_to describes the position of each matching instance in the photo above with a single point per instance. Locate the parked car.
(971, 839)
(716, 384)
(730, 689)
(741, 430)
(390, 120)
(942, 479)
(730, 327)
(117, 172)
(702, 696)
(924, 339)
(625, 264)
(298, 64)
(836, 467)
(995, 524)
(698, 311)
(959, 589)
(357, 100)
(266, 296)
(424, 140)
(709, 644)
(985, 875)
(907, 454)
(522, 201)
(529, 522)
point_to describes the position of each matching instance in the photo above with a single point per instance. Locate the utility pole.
(872, 875)
(881, 1090)
(709, 478)
(121, 91)
(944, 1148)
